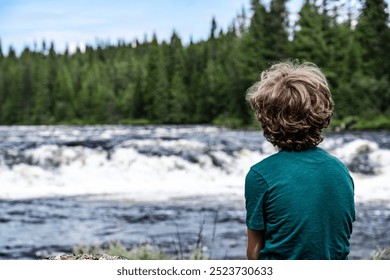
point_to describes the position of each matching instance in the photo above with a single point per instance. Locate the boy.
(299, 201)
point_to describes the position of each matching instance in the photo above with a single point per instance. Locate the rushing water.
(170, 186)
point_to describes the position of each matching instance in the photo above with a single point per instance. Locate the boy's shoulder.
(284, 159)
(269, 163)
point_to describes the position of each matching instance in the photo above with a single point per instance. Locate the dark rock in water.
(147, 218)
(3, 220)
(361, 163)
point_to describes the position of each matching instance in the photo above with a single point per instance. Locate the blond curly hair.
(293, 104)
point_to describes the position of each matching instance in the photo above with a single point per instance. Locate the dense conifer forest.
(157, 81)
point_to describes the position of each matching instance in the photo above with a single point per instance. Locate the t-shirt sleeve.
(255, 189)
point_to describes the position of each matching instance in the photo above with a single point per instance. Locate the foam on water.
(129, 173)
(167, 163)
(373, 187)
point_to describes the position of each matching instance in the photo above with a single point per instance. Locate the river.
(170, 186)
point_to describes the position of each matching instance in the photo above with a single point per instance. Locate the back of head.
(293, 104)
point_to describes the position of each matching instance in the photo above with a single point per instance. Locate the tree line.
(157, 81)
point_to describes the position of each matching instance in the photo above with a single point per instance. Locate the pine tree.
(253, 45)
(209, 100)
(251, 55)
(139, 104)
(241, 21)
(64, 107)
(3, 81)
(373, 34)
(276, 43)
(194, 65)
(13, 87)
(234, 110)
(27, 94)
(41, 113)
(309, 42)
(156, 88)
(52, 76)
(178, 94)
(124, 98)
(1, 52)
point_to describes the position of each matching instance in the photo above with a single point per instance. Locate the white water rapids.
(160, 163)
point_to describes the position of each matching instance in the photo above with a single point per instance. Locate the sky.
(75, 23)
(80, 22)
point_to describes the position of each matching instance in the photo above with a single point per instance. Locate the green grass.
(380, 122)
(377, 123)
(140, 252)
(135, 122)
(381, 254)
(228, 122)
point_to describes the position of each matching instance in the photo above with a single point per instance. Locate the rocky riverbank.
(68, 257)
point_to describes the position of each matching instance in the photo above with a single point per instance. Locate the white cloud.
(75, 22)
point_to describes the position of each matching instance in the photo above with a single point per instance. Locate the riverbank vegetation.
(116, 250)
(140, 252)
(381, 254)
(204, 82)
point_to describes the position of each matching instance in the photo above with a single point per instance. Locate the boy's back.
(300, 201)
(304, 203)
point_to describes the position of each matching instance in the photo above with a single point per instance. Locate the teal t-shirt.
(304, 202)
